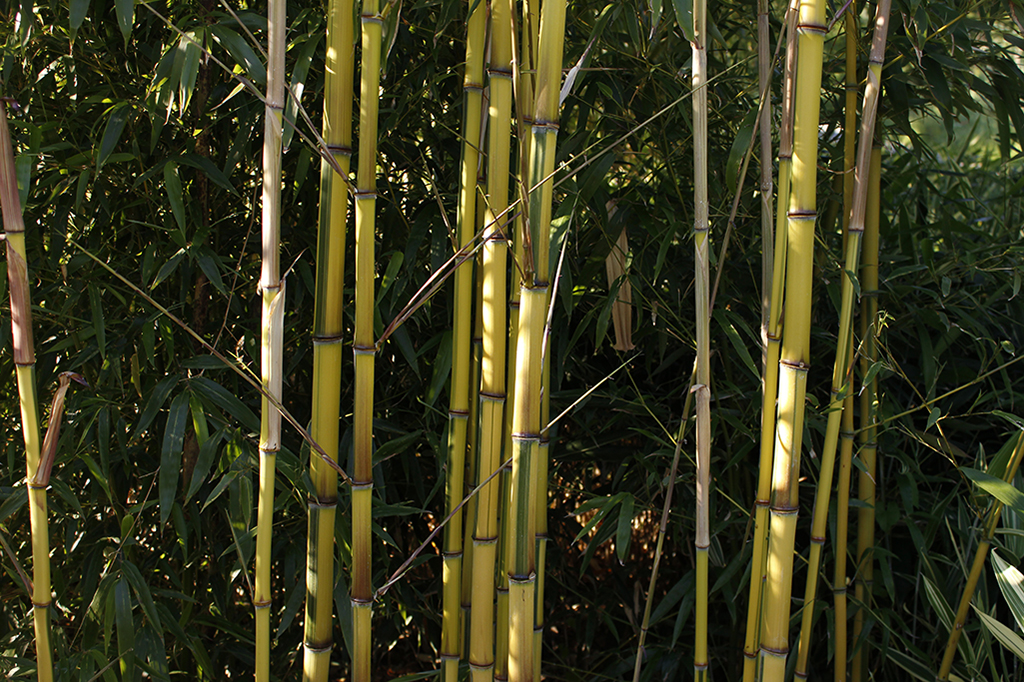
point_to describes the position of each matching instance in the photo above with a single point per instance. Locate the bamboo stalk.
(772, 336)
(272, 291)
(701, 230)
(764, 85)
(25, 364)
(526, 417)
(459, 406)
(869, 413)
(995, 513)
(795, 352)
(364, 347)
(328, 337)
(841, 384)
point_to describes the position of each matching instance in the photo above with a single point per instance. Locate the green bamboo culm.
(363, 345)
(328, 336)
(526, 417)
(995, 513)
(841, 383)
(795, 353)
(271, 348)
(462, 331)
(25, 371)
(772, 339)
(702, 387)
(868, 414)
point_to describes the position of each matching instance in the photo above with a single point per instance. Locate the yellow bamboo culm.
(795, 352)
(328, 336)
(844, 344)
(702, 387)
(462, 332)
(25, 371)
(364, 346)
(868, 411)
(772, 339)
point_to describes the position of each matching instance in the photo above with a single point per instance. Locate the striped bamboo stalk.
(271, 363)
(702, 387)
(473, 462)
(462, 331)
(25, 371)
(772, 338)
(764, 84)
(995, 513)
(364, 347)
(852, 28)
(795, 352)
(328, 336)
(869, 412)
(841, 383)
(526, 416)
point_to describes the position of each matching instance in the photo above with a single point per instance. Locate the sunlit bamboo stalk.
(702, 387)
(526, 416)
(841, 382)
(462, 331)
(271, 347)
(995, 513)
(363, 343)
(772, 338)
(25, 371)
(328, 337)
(869, 414)
(795, 353)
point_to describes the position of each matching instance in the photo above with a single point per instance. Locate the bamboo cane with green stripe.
(462, 331)
(328, 335)
(841, 383)
(526, 417)
(702, 388)
(25, 371)
(364, 347)
(271, 361)
(795, 352)
(868, 412)
(772, 334)
(995, 513)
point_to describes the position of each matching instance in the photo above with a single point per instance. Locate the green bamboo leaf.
(204, 164)
(252, 66)
(125, 629)
(172, 183)
(99, 326)
(1007, 637)
(208, 264)
(997, 488)
(141, 589)
(442, 368)
(112, 133)
(149, 646)
(23, 166)
(624, 529)
(394, 446)
(933, 416)
(79, 9)
(170, 453)
(199, 423)
(190, 48)
(604, 505)
(156, 401)
(740, 142)
(737, 342)
(224, 399)
(125, 17)
(298, 85)
(684, 15)
(1011, 584)
(204, 462)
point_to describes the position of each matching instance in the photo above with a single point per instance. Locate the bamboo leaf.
(252, 66)
(172, 183)
(112, 133)
(624, 530)
(156, 401)
(170, 453)
(298, 85)
(125, 17)
(997, 488)
(79, 9)
(99, 326)
(204, 462)
(224, 399)
(684, 17)
(190, 47)
(125, 629)
(1007, 637)
(204, 164)
(141, 589)
(1011, 584)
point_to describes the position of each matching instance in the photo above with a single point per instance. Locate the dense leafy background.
(136, 147)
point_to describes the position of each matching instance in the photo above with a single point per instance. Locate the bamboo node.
(314, 503)
(772, 651)
(485, 541)
(802, 215)
(326, 649)
(517, 579)
(482, 667)
(371, 19)
(261, 604)
(490, 395)
(364, 194)
(362, 485)
(328, 339)
(458, 414)
(544, 126)
(795, 365)
(339, 149)
(818, 539)
(452, 555)
(269, 451)
(41, 605)
(361, 602)
(449, 657)
(811, 28)
(37, 486)
(500, 73)
(359, 349)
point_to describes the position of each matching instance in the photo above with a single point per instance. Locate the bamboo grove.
(562, 157)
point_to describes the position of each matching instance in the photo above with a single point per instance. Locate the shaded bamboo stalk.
(462, 331)
(702, 387)
(868, 411)
(622, 307)
(995, 513)
(772, 337)
(328, 337)
(841, 383)
(795, 352)
(526, 416)
(271, 347)
(364, 347)
(764, 84)
(25, 371)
